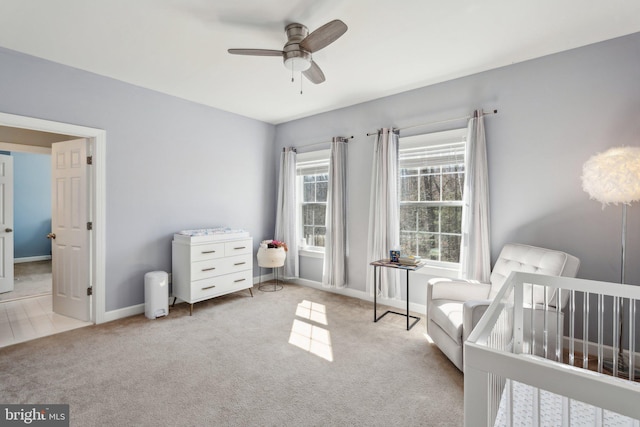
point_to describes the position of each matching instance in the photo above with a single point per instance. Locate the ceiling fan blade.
(324, 36)
(314, 74)
(256, 52)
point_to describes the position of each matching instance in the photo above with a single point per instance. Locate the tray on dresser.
(209, 235)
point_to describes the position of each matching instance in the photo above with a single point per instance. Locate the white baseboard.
(139, 309)
(592, 348)
(31, 259)
(264, 278)
(123, 312)
(399, 304)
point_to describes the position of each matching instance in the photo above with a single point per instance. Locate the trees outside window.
(312, 185)
(314, 206)
(431, 183)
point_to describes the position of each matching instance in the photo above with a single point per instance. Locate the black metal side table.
(376, 273)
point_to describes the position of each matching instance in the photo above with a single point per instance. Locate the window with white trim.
(312, 185)
(431, 179)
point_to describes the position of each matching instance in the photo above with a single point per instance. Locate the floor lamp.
(614, 177)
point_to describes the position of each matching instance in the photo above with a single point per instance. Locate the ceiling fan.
(296, 53)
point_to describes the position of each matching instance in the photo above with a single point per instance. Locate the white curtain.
(334, 274)
(475, 258)
(286, 212)
(384, 207)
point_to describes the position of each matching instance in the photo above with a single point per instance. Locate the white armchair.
(454, 307)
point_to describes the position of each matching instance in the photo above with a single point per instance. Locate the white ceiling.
(179, 47)
(11, 135)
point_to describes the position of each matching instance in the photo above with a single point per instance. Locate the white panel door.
(69, 235)
(6, 223)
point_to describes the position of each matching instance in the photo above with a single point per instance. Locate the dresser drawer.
(207, 268)
(220, 285)
(238, 247)
(238, 263)
(220, 266)
(207, 251)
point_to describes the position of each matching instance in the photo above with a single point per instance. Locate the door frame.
(97, 197)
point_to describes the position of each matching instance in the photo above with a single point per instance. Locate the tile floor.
(29, 318)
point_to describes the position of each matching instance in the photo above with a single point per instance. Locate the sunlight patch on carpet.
(312, 311)
(309, 337)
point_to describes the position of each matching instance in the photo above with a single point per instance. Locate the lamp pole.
(622, 366)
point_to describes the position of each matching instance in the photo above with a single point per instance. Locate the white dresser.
(207, 266)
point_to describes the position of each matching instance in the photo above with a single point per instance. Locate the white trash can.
(156, 294)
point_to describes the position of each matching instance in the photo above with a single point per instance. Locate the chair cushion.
(528, 259)
(458, 290)
(448, 315)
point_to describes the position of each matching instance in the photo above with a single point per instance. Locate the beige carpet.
(236, 362)
(30, 279)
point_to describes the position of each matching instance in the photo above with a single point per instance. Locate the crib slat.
(585, 331)
(572, 327)
(616, 334)
(532, 344)
(600, 331)
(559, 328)
(566, 411)
(545, 324)
(599, 417)
(535, 403)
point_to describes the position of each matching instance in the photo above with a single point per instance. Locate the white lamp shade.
(613, 176)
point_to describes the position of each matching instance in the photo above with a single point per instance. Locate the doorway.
(96, 190)
(27, 310)
(27, 248)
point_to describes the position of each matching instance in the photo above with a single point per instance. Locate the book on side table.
(412, 262)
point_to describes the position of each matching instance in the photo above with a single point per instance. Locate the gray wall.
(171, 164)
(554, 113)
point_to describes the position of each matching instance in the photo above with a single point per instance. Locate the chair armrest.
(472, 311)
(457, 290)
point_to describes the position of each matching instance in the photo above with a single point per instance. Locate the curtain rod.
(325, 142)
(440, 122)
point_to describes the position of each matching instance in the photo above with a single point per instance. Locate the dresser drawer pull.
(209, 287)
(239, 247)
(239, 263)
(208, 252)
(208, 269)
(239, 280)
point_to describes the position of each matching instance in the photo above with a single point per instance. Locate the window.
(431, 181)
(312, 186)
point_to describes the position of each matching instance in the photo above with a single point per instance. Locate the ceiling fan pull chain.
(291, 73)
(301, 82)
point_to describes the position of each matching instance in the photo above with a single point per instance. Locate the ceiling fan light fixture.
(297, 63)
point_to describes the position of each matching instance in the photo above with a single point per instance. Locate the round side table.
(271, 258)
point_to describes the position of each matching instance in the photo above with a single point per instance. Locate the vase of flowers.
(272, 253)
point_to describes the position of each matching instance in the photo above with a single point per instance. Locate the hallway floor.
(27, 312)
(29, 318)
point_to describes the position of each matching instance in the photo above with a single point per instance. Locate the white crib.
(533, 366)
